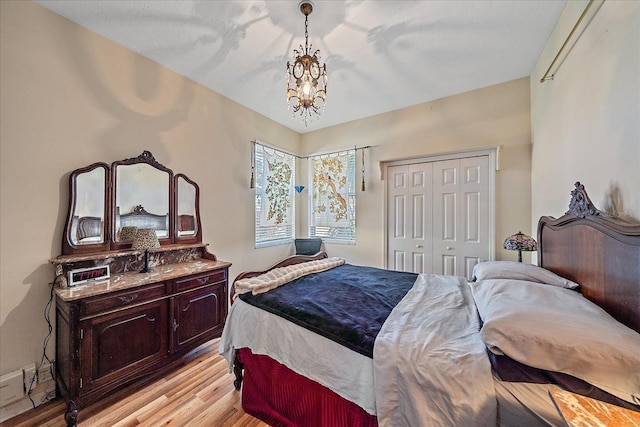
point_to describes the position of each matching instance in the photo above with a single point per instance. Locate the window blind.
(333, 196)
(274, 196)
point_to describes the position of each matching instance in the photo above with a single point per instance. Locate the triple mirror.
(108, 204)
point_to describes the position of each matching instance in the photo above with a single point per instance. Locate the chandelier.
(306, 77)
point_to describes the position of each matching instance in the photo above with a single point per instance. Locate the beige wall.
(586, 121)
(71, 98)
(489, 117)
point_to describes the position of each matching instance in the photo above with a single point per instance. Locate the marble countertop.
(582, 411)
(62, 259)
(119, 282)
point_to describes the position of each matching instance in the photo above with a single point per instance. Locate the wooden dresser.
(117, 321)
(134, 325)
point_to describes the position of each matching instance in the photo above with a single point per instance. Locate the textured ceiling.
(380, 55)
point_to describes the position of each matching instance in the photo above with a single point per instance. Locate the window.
(274, 201)
(332, 186)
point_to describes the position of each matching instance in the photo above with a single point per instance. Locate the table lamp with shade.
(520, 242)
(145, 239)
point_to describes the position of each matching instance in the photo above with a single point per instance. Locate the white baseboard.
(42, 393)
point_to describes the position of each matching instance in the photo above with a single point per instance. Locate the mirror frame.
(110, 243)
(197, 237)
(146, 158)
(67, 242)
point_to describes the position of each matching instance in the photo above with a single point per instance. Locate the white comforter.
(430, 363)
(430, 366)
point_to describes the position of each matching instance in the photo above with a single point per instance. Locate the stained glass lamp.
(520, 242)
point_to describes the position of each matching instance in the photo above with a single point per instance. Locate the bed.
(447, 352)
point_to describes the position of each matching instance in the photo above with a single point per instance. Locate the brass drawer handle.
(127, 298)
(203, 280)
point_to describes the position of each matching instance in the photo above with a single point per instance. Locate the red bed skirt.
(282, 398)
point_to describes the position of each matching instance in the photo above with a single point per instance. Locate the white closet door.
(438, 216)
(461, 224)
(409, 217)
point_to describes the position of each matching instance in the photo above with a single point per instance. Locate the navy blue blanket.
(347, 304)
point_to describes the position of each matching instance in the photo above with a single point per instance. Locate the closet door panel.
(409, 218)
(475, 221)
(446, 217)
(397, 191)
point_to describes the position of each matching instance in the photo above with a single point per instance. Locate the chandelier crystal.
(306, 77)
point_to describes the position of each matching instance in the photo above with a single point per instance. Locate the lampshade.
(520, 242)
(128, 233)
(145, 238)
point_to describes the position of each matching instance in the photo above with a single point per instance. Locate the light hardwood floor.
(200, 393)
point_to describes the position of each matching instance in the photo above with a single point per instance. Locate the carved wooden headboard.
(140, 218)
(599, 252)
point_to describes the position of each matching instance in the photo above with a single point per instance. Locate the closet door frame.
(493, 155)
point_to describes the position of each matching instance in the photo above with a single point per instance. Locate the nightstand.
(581, 411)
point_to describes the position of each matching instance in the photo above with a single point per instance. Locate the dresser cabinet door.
(198, 316)
(121, 343)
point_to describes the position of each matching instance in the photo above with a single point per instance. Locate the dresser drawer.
(122, 299)
(201, 280)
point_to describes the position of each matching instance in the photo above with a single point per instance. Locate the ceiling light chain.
(306, 77)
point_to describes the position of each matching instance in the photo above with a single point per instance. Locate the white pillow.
(559, 330)
(520, 271)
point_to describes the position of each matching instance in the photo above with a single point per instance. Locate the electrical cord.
(47, 318)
